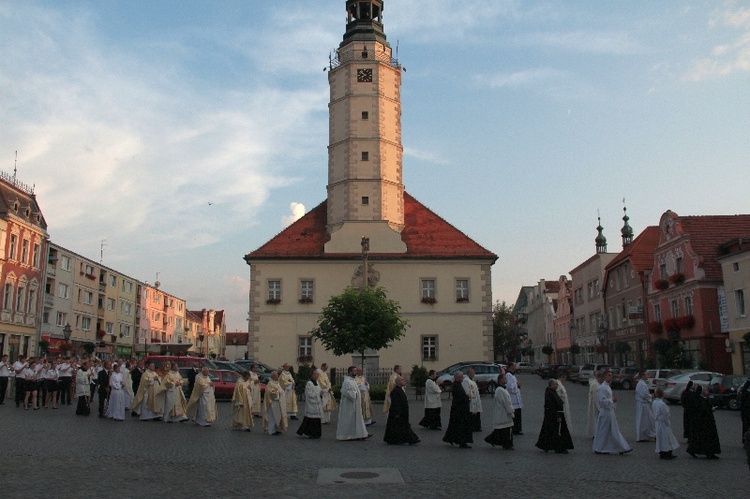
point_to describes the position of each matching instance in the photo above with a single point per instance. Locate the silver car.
(675, 385)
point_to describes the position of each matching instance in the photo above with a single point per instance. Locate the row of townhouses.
(58, 302)
(674, 296)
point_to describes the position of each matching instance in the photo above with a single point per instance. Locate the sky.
(186, 134)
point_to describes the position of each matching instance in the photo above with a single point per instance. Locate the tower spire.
(627, 230)
(364, 21)
(601, 241)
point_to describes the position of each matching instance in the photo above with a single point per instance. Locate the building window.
(110, 304)
(62, 319)
(65, 263)
(591, 290)
(365, 156)
(630, 318)
(274, 291)
(86, 323)
(113, 281)
(679, 266)
(736, 266)
(125, 330)
(32, 301)
(88, 297)
(429, 347)
(63, 290)
(19, 298)
(663, 271)
(675, 308)
(657, 313)
(304, 348)
(306, 291)
(739, 299)
(428, 290)
(578, 294)
(37, 253)
(365, 115)
(462, 290)
(127, 286)
(109, 327)
(13, 246)
(365, 200)
(126, 308)
(24, 251)
(688, 305)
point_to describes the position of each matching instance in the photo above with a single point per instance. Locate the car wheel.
(626, 385)
(733, 404)
(491, 387)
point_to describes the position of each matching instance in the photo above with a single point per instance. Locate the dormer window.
(15, 206)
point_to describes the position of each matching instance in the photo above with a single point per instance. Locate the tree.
(502, 331)
(358, 320)
(548, 351)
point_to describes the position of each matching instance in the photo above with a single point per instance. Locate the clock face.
(364, 75)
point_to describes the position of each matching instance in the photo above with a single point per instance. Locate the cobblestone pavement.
(48, 452)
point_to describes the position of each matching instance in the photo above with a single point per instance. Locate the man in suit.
(135, 375)
(191, 374)
(102, 381)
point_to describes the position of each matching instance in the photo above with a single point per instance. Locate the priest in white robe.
(391, 385)
(128, 384)
(513, 386)
(364, 389)
(644, 415)
(593, 412)
(286, 380)
(274, 407)
(608, 439)
(475, 400)
(117, 395)
(242, 400)
(202, 405)
(255, 391)
(175, 404)
(328, 401)
(563, 393)
(149, 401)
(351, 425)
(665, 439)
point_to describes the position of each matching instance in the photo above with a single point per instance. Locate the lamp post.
(603, 334)
(67, 332)
(365, 253)
(201, 337)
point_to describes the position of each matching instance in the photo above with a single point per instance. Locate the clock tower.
(365, 186)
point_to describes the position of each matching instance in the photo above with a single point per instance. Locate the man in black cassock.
(703, 438)
(459, 424)
(397, 429)
(554, 434)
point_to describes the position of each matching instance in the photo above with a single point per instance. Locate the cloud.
(519, 78)
(602, 42)
(727, 58)
(428, 156)
(298, 211)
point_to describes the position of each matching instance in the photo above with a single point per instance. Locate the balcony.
(49, 300)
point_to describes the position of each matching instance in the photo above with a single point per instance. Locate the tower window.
(365, 156)
(365, 115)
(365, 200)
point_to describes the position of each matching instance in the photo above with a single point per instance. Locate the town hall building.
(440, 277)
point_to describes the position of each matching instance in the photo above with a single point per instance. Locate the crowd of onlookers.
(42, 382)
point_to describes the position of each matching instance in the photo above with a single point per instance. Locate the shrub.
(661, 284)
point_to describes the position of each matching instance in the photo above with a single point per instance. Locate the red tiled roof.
(425, 234)
(640, 252)
(707, 233)
(241, 338)
(552, 286)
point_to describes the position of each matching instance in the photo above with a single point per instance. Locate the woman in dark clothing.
(686, 412)
(554, 435)
(459, 425)
(397, 429)
(704, 439)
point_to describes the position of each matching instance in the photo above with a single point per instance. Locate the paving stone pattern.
(57, 453)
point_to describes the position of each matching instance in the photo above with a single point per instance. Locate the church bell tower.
(365, 186)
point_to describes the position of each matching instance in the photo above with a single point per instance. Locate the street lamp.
(603, 334)
(67, 331)
(201, 337)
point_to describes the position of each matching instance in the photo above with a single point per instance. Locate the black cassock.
(554, 435)
(459, 424)
(703, 438)
(397, 429)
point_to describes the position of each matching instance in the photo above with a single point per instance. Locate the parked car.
(573, 374)
(264, 371)
(675, 385)
(656, 375)
(624, 377)
(587, 372)
(553, 370)
(485, 376)
(182, 361)
(524, 367)
(224, 381)
(723, 391)
(230, 366)
(454, 367)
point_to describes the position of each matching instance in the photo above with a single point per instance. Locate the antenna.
(101, 250)
(15, 168)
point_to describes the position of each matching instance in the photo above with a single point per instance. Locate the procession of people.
(154, 393)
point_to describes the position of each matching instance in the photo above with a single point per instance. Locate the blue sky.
(520, 121)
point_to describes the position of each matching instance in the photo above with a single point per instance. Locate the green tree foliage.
(502, 331)
(358, 320)
(548, 350)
